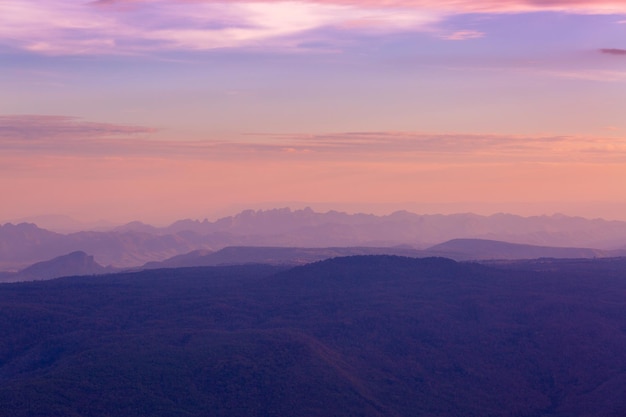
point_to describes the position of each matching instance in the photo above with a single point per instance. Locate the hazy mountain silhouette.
(136, 243)
(457, 249)
(24, 244)
(75, 263)
(369, 336)
(285, 227)
(241, 255)
(138, 226)
(64, 224)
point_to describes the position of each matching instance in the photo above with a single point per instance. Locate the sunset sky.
(158, 110)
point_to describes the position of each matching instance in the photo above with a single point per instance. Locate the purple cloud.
(66, 27)
(613, 51)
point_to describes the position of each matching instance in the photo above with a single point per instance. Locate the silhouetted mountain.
(137, 226)
(457, 249)
(284, 227)
(474, 249)
(124, 249)
(358, 336)
(193, 258)
(75, 263)
(64, 224)
(24, 244)
(240, 255)
(136, 243)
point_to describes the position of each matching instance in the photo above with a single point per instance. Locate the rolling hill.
(364, 335)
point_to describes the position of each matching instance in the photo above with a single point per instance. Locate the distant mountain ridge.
(79, 263)
(240, 255)
(276, 227)
(137, 243)
(456, 249)
(25, 243)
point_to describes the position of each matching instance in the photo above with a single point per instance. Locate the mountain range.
(79, 263)
(135, 244)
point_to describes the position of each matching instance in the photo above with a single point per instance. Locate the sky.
(166, 109)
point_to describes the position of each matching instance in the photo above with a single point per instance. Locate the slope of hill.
(474, 249)
(457, 249)
(369, 336)
(239, 255)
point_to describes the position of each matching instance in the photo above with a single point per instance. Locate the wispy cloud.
(44, 127)
(576, 6)
(613, 51)
(62, 27)
(39, 135)
(462, 35)
(44, 134)
(128, 27)
(587, 75)
(482, 146)
(61, 135)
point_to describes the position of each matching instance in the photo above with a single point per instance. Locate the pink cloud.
(432, 146)
(590, 6)
(61, 27)
(463, 35)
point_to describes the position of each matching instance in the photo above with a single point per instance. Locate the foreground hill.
(356, 336)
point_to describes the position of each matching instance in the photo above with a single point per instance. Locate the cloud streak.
(33, 128)
(45, 134)
(480, 146)
(67, 27)
(613, 51)
(463, 35)
(62, 135)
